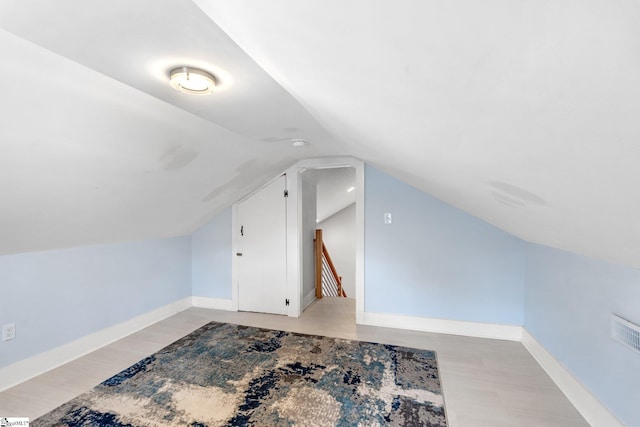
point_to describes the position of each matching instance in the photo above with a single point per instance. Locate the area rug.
(230, 375)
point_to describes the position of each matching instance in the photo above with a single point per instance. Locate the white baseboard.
(589, 407)
(214, 303)
(308, 299)
(26, 369)
(441, 326)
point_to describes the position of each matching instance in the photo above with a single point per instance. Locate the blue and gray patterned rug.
(230, 375)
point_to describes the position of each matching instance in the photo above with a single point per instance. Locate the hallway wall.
(339, 235)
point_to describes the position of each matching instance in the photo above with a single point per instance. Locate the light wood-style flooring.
(486, 382)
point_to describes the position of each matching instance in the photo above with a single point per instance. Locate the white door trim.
(294, 230)
(294, 233)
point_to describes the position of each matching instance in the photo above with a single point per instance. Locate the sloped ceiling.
(335, 190)
(522, 113)
(96, 146)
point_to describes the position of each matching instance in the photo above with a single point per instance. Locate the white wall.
(56, 297)
(309, 211)
(339, 236)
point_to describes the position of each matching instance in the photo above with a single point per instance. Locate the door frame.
(294, 229)
(294, 232)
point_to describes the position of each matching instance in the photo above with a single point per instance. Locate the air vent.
(625, 332)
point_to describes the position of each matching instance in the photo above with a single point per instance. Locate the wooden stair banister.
(327, 279)
(318, 253)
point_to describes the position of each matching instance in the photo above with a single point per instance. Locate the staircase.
(328, 283)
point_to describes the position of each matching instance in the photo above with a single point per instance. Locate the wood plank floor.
(486, 382)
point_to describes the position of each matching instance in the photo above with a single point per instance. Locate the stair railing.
(328, 282)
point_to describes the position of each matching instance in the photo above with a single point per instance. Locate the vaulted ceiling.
(523, 113)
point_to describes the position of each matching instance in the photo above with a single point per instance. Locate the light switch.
(387, 217)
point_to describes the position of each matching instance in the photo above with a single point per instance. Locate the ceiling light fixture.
(350, 189)
(192, 80)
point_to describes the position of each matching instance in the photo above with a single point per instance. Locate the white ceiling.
(333, 187)
(522, 113)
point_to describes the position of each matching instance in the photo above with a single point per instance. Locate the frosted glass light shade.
(192, 81)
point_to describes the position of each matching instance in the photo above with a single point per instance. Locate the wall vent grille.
(626, 332)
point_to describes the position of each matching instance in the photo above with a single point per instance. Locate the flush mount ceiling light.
(192, 80)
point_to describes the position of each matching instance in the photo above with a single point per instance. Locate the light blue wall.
(436, 261)
(211, 258)
(433, 261)
(55, 297)
(568, 302)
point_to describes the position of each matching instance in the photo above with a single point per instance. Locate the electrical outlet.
(8, 331)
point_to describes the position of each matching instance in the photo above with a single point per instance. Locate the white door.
(262, 250)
